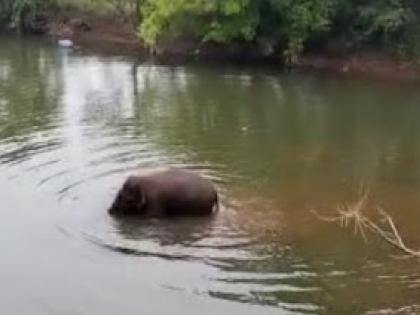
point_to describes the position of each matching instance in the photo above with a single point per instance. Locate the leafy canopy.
(287, 27)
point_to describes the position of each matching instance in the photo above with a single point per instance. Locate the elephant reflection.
(187, 231)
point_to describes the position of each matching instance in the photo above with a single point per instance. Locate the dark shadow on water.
(174, 232)
(167, 232)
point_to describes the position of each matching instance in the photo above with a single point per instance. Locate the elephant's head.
(130, 199)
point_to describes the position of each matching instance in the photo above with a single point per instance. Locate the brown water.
(73, 125)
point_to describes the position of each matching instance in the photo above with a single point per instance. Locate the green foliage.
(285, 24)
(230, 20)
(373, 22)
(216, 20)
(287, 27)
(17, 12)
(293, 22)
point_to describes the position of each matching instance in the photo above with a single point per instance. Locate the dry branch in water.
(353, 214)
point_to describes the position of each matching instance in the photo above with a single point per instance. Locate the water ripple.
(76, 127)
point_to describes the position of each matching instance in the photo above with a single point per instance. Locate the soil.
(104, 33)
(119, 35)
(372, 64)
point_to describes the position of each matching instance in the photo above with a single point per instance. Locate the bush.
(286, 27)
(16, 13)
(237, 20)
(216, 20)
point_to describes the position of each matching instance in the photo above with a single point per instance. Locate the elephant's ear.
(132, 187)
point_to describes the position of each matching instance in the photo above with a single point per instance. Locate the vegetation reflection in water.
(73, 126)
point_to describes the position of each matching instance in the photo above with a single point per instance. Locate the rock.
(65, 43)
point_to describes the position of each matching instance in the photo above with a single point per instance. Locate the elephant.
(172, 192)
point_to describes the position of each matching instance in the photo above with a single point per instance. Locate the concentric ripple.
(73, 127)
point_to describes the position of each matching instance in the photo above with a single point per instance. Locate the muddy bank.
(112, 34)
(119, 35)
(375, 65)
(104, 33)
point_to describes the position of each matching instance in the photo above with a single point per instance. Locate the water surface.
(73, 125)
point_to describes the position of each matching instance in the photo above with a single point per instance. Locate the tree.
(19, 12)
(372, 22)
(223, 21)
(216, 20)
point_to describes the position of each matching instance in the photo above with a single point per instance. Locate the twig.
(353, 212)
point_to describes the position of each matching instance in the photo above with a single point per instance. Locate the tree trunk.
(137, 13)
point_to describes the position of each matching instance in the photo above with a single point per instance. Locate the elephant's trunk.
(216, 204)
(115, 207)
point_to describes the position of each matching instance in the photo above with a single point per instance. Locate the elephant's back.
(185, 190)
(182, 179)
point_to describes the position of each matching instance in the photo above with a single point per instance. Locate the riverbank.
(374, 64)
(105, 33)
(119, 35)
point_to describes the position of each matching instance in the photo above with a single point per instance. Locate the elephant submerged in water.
(172, 192)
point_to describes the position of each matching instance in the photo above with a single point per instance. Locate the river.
(75, 124)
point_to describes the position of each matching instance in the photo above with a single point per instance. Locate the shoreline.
(375, 65)
(117, 35)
